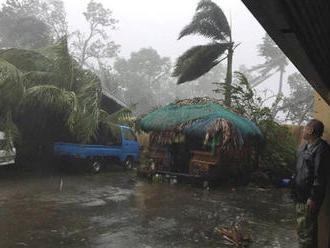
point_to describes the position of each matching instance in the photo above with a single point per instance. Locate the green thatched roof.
(201, 117)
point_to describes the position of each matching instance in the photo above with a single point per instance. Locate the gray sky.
(157, 23)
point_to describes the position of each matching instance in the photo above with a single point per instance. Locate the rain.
(148, 124)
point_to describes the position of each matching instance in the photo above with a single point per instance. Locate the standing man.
(310, 182)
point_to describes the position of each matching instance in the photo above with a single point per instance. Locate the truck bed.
(85, 151)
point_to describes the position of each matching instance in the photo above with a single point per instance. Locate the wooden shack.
(200, 138)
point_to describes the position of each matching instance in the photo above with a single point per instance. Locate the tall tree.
(209, 21)
(95, 48)
(298, 106)
(275, 62)
(141, 77)
(52, 12)
(31, 23)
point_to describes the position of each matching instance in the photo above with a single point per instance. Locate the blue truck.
(126, 151)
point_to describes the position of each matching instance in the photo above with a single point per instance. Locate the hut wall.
(143, 139)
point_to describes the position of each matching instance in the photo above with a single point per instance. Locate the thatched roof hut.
(202, 118)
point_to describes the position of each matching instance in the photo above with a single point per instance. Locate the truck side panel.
(128, 148)
(85, 151)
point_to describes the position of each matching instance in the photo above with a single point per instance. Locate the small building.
(110, 103)
(200, 138)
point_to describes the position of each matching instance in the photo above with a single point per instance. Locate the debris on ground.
(236, 234)
(232, 235)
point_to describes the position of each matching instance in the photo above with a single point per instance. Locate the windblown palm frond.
(51, 97)
(88, 115)
(10, 129)
(120, 117)
(86, 125)
(267, 69)
(114, 120)
(11, 92)
(27, 60)
(11, 87)
(242, 79)
(209, 21)
(52, 65)
(63, 63)
(34, 78)
(275, 61)
(47, 111)
(198, 60)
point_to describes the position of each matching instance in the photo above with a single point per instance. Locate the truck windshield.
(129, 135)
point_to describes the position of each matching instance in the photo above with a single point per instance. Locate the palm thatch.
(202, 118)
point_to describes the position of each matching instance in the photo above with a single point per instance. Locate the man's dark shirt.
(311, 172)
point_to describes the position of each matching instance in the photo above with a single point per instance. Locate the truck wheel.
(128, 164)
(96, 166)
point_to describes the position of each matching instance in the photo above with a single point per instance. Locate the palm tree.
(276, 61)
(46, 95)
(209, 21)
(11, 91)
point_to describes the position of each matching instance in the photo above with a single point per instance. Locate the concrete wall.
(322, 113)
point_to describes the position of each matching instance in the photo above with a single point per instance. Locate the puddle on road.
(108, 210)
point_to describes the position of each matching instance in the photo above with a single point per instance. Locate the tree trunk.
(302, 117)
(279, 93)
(229, 77)
(84, 48)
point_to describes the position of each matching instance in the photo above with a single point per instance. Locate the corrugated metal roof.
(109, 95)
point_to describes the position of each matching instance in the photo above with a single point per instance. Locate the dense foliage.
(279, 149)
(141, 77)
(31, 23)
(94, 49)
(298, 106)
(46, 96)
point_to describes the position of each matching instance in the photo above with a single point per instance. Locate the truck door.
(130, 144)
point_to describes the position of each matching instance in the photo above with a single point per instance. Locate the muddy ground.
(117, 209)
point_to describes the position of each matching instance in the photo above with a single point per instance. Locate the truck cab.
(97, 155)
(7, 154)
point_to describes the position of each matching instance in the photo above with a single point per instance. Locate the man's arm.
(321, 162)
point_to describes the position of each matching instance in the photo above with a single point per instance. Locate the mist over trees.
(143, 80)
(298, 106)
(31, 23)
(94, 49)
(275, 62)
(140, 78)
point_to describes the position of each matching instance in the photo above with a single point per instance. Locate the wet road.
(115, 209)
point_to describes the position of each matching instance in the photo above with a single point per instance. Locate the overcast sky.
(157, 23)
